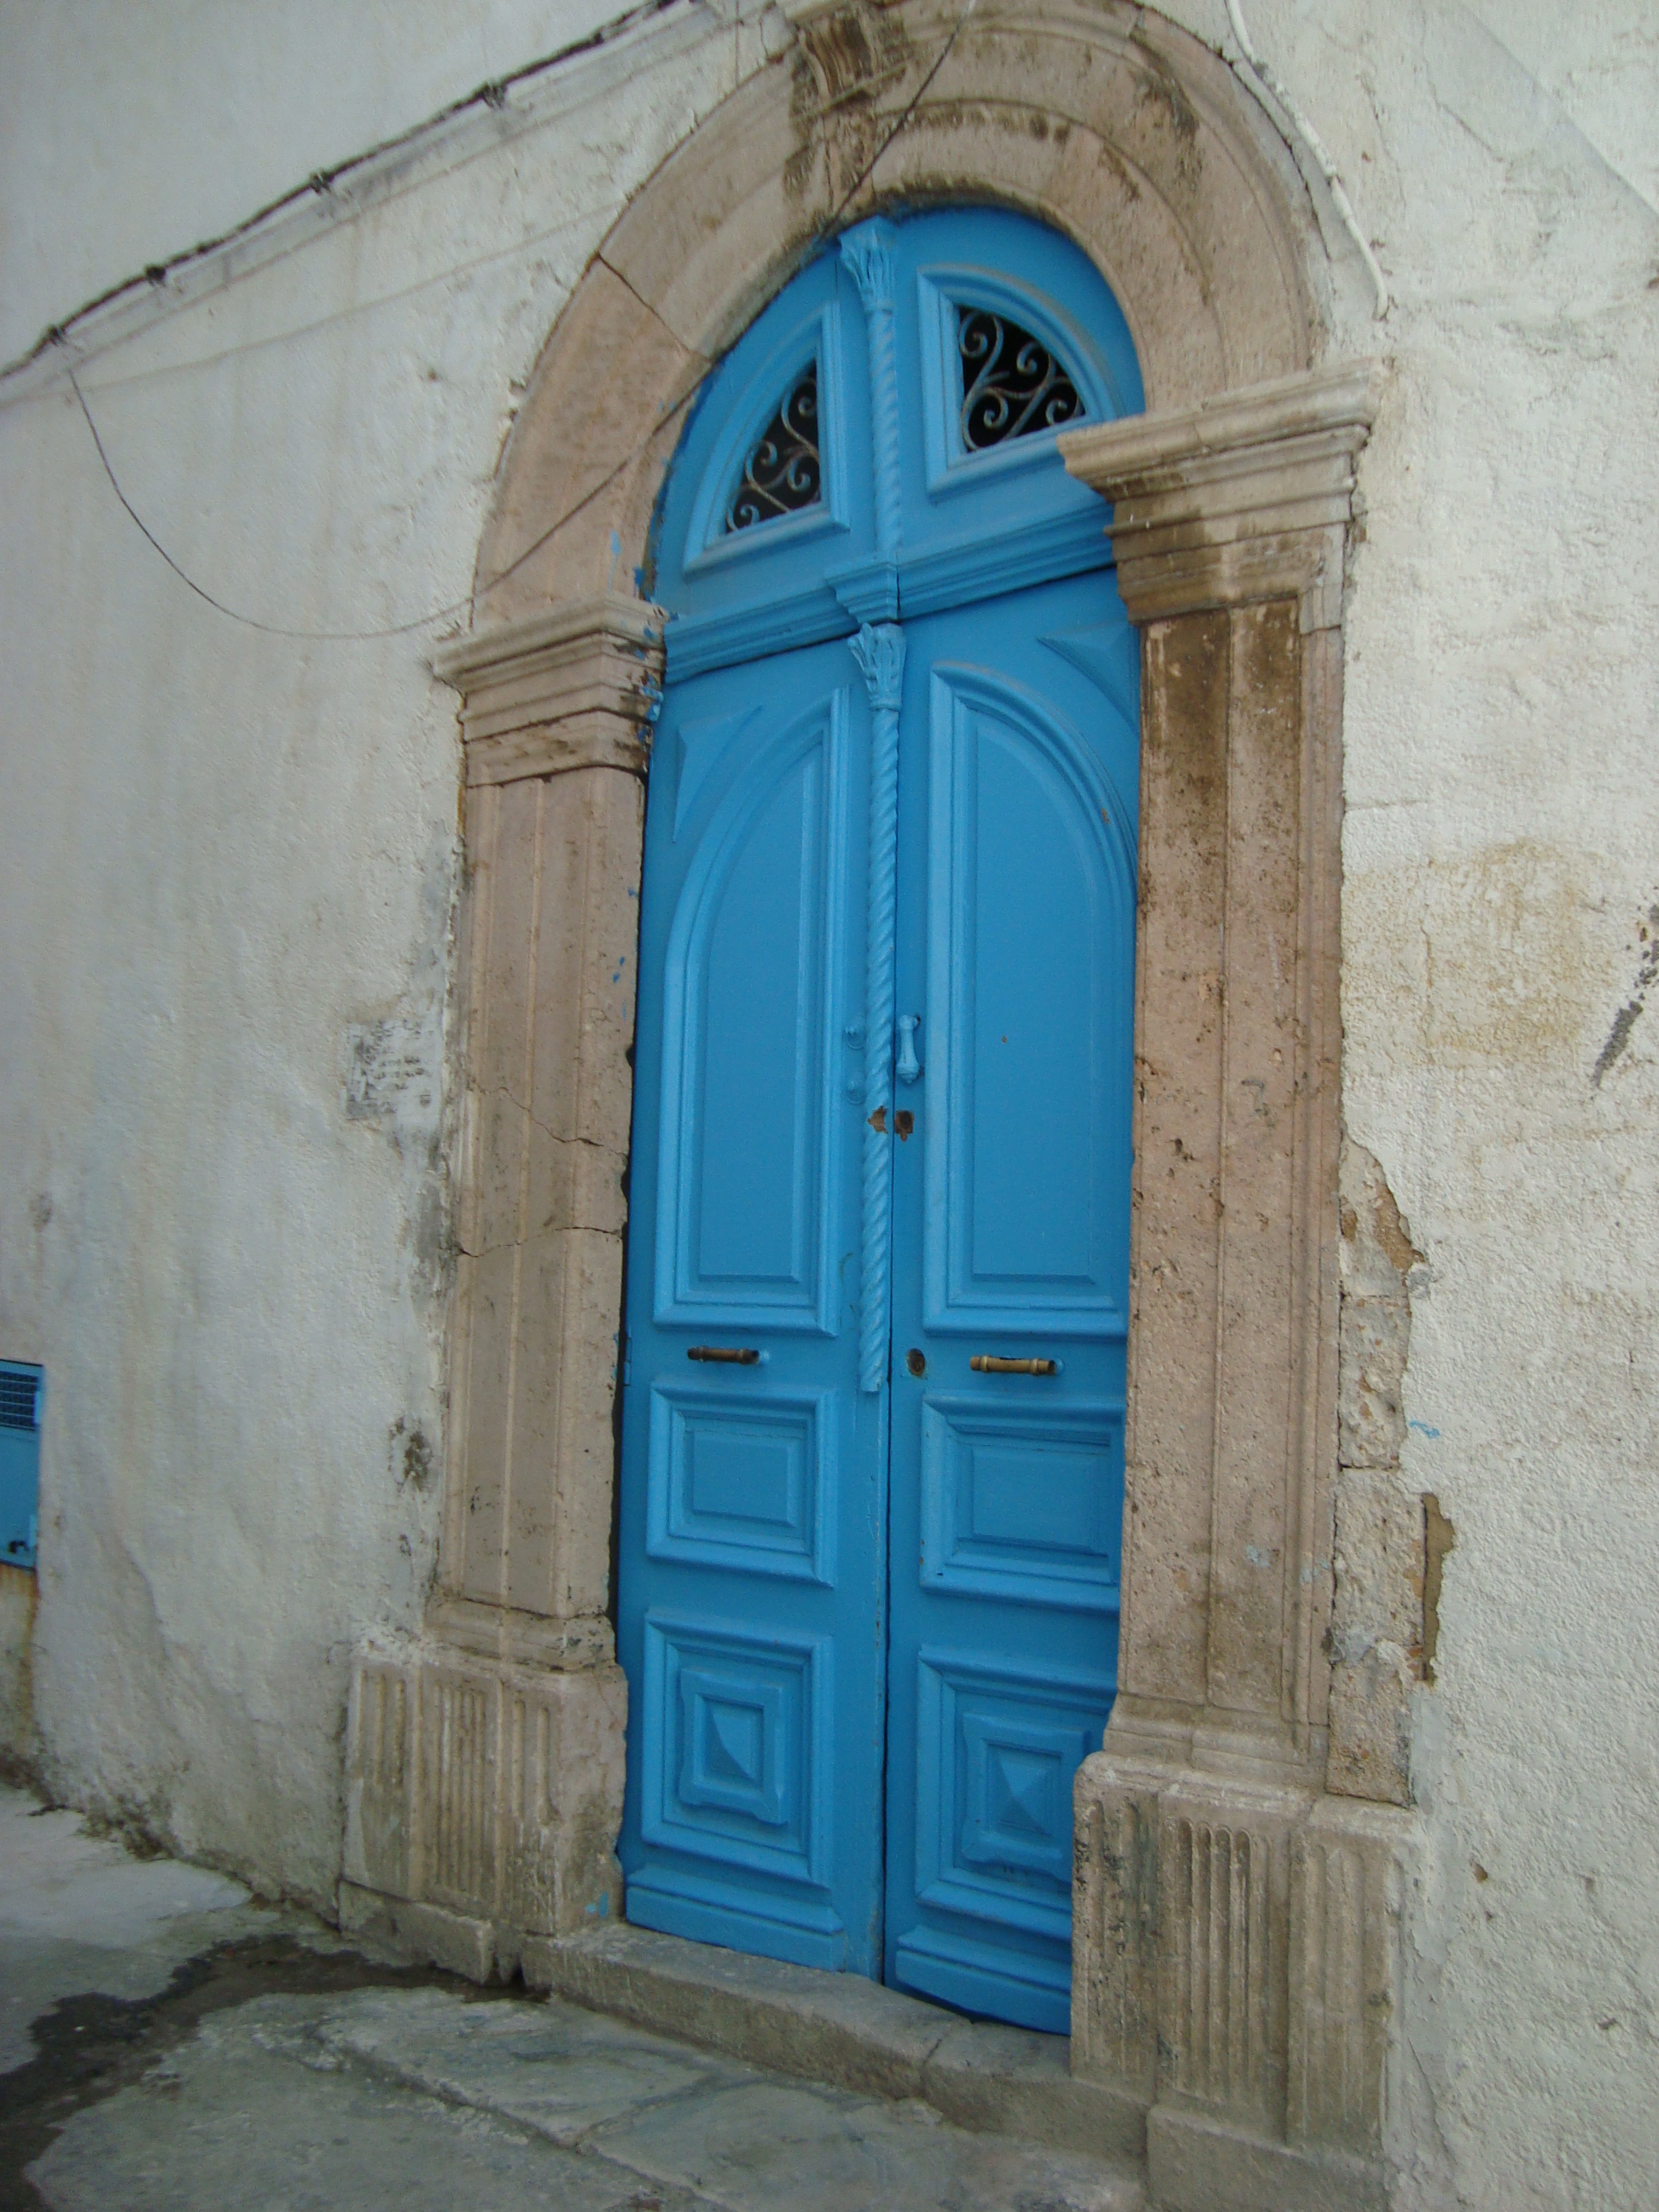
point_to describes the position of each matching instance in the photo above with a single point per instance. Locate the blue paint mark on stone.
(1422, 1428)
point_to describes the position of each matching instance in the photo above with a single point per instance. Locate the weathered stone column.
(1236, 1927)
(484, 1761)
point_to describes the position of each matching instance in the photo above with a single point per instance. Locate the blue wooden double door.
(872, 1433)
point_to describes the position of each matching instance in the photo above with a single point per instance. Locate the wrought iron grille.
(17, 1399)
(782, 473)
(1013, 386)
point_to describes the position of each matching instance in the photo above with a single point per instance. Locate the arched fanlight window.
(1012, 385)
(783, 472)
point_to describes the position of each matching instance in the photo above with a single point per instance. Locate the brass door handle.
(987, 1363)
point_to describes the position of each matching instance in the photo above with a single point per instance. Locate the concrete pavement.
(167, 2044)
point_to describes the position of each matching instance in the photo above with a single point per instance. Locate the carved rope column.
(484, 1762)
(1235, 1927)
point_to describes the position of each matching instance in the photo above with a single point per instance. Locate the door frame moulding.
(1249, 2044)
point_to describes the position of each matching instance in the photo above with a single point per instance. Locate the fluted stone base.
(489, 1793)
(1236, 1963)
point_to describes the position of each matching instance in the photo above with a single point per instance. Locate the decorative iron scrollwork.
(782, 473)
(1012, 385)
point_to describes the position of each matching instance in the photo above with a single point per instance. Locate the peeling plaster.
(1376, 1637)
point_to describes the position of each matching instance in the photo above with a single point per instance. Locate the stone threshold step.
(842, 2029)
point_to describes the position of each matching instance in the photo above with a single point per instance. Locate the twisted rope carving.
(885, 429)
(879, 652)
(868, 253)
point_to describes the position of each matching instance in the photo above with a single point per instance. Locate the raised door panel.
(744, 1481)
(1022, 1504)
(746, 1161)
(1030, 899)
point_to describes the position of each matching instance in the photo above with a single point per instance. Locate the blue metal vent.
(22, 1390)
(20, 1399)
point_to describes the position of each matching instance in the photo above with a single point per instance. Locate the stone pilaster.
(484, 1759)
(1235, 1926)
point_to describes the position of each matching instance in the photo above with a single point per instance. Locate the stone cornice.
(576, 687)
(1246, 497)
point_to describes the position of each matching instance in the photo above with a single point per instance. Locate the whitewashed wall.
(228, 872)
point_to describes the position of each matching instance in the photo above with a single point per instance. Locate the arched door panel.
(750, 988)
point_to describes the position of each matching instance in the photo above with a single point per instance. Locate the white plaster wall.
(228, 876)
(130, 132)
(224, 854)
(1501, 866)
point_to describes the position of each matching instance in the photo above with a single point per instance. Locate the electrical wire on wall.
(1253, 67)
(493, 96)
(1266, 81)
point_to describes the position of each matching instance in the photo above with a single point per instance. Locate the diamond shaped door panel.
(997, 1747)
(737, 1728)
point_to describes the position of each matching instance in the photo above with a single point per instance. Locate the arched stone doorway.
(1232, 1963)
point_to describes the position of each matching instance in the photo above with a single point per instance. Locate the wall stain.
(1624, 1020)
(1374, 1641)
(1439, 1537)
(90, 2046)
(1498, 970)
(410, 1452)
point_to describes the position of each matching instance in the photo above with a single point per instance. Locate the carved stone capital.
(577, 687)
(1245, 498)
(878, 650)
(868, 253)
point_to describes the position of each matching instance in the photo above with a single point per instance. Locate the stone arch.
(1109, 124)
(1233, 1961)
